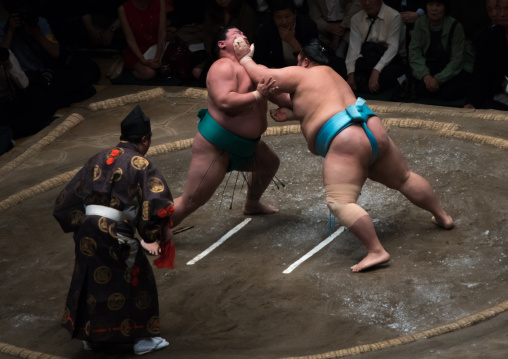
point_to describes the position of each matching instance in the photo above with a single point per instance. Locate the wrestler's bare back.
(227, 76)
(321, 94)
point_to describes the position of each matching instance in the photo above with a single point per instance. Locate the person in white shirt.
(376, 48)
(12, 76)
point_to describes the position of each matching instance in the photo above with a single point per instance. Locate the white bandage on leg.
(341, 199)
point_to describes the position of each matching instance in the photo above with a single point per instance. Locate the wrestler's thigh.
(343, 169)
(206, 170)
(265, 159)
(391, 168)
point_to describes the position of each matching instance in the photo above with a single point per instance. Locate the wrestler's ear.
(221, 44)
(305, 62)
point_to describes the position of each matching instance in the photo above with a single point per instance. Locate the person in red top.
(144, 26)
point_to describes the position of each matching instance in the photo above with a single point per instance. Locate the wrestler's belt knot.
(359, 112)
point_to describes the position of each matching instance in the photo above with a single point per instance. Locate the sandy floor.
(236, 302)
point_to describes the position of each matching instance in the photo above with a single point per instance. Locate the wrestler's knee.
(399, 182)
(268, 156)
(341, 200)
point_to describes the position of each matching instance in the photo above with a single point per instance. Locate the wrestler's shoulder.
(223, 64)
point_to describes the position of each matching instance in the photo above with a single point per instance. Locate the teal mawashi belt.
(223, 138)
(358, 113)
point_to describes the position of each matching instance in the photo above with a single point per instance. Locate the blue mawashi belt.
(358, 113)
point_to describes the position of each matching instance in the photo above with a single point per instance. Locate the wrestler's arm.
(222, 86)
(286, 79)
(283, 114)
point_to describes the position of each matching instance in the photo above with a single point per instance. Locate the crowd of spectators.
(450, 50)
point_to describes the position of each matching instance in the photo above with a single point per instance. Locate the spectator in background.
(223, 13)
(263, 13)
(333, 19)
(25, 110)
(410, 11)
(85, 24)
(144, 26)
(29, 37)
(472, 14)
(102, 25)
(12, 77)
(436, 54)
(376, 48)
(282, 36)
(65, 79)
(491, 12)
(186, 23)
(489, 89)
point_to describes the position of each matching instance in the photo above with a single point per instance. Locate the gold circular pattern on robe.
(116, 301)
(147, 210)
(77, 217)
(90, 303)
(127, 327)
(114, 202)
(112, 230)
(139, 163)
(87, 246)
(153, 325)
(127, 275)
(97, 172)
(88, 328)
(117, 175)
(103, 224)
(66, 314)
(60, 199)
(143, 300)
(78, 189)
(102, 275)
(155, 184)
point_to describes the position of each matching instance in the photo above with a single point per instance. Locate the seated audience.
(186, 24)
(333, 19)
(410, 11)
(25, 109)
(144, 26)
(67, 78)
(489, 88)
(222, 13)
(375, 58)
(282, 36)
(436, 54)
(472, 14)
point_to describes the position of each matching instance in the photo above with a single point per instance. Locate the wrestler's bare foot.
(445, 222)
(372, 259)
(256, 207)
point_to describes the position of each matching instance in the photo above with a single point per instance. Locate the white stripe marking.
(219, 242)
(315, 250)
